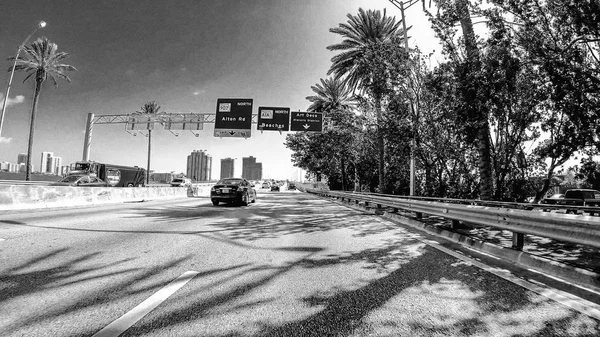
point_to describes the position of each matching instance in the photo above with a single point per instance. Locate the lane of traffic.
(289, 263)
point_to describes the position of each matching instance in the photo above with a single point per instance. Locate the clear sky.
(184, 54)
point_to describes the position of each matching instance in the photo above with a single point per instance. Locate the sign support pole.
(87, 141)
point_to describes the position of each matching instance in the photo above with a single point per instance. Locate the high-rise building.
(46, 162)
(22, 158)
(251, 170)
(257, 172)
(227, 165)
(56, 164)
(199, 166)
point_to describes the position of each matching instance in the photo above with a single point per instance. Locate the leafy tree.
(149, 108)
(471, 85)
(361, 33)
(513, 101)
(41, 60)
(560, 40)
(589, 173)
(332, 98)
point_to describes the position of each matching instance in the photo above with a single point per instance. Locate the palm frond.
(359, 32)
(42, 58)
(150, 107)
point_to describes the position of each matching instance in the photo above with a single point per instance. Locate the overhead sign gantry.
(233, 118)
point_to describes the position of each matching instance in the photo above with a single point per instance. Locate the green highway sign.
(233, 117)
(307, 121)
(273, 119)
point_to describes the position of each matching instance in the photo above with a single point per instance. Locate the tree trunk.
(36, 98)
(483, 132)
(356, 179)
(380, 145)
(343, 164)
(149, 149)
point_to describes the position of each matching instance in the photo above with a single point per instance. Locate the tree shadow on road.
(272, 218)
(427, 294)
(58, 271)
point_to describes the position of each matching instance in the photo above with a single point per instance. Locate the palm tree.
(41, 59)
(362, 32)
(330, 94)
(149, 108)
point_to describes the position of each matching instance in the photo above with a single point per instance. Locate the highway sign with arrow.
(234, 117)
(307, 121)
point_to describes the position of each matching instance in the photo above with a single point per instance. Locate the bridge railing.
(579, 229)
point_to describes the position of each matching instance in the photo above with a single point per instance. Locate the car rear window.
(229, 181)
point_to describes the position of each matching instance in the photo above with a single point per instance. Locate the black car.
(275, 187)
(233, 190)
(291, 186)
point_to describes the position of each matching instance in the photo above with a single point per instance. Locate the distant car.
(266, 185)
(291, 186)
(80, 180)
(181, 182)
(275, 187)
(556, 196)
(233, 190)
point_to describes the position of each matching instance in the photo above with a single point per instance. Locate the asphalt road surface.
(289, 265)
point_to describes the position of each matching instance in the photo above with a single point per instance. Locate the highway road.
(289, 265)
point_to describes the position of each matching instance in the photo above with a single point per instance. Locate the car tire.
(244, 199)
(215, 202)
(130, 185)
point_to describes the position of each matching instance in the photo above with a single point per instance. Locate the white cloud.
(12, 101)
(199, 92)
(5, 140)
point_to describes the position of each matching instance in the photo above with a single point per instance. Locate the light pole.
(41, 24)
(401, 5)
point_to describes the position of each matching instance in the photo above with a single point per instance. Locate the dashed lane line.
(124, 322)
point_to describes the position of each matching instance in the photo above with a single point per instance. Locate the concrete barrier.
(199, 190)
(16, 197)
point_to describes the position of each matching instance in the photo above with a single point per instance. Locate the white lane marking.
(576, 303)
(124, 322)
(572, 301)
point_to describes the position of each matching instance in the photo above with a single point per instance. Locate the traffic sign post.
(233, 117)
(273, 119)
(307, 121)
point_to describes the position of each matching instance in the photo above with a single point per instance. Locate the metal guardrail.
(577, 229)
(592, 210)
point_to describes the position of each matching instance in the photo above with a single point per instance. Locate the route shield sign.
(234, 117)
(273, 119)
(307, 121)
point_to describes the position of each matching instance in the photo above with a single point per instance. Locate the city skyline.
(270, 51)
(63, 169)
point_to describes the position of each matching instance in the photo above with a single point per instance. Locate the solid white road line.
(124, 322)
(572, 301)
(576, 303)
